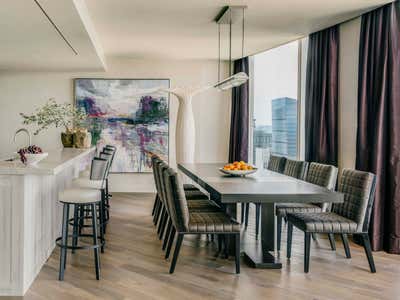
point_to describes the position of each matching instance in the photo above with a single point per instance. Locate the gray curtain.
(378, 134)
(239, 134)
(321, 103)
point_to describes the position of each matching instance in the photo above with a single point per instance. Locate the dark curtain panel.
(239, 135)
(321, 103)
(378, 134)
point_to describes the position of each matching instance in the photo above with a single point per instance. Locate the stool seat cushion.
(323, 222)
(211, 222)
(79, 196)
(202, 205)
(283, 209)
(195, 195)
(87, 183)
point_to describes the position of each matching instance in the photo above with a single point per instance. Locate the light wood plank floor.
(133, 267)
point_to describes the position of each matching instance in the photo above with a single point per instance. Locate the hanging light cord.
(219, 51)
(230, 42)
(243, 33)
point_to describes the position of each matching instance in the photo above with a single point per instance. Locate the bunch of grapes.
(28, 150)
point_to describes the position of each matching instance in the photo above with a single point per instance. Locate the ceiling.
(173, 29)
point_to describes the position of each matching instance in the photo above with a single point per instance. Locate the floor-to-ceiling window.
(274, 92)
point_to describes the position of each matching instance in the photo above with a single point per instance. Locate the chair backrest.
(322, 175)
(110, 146)
(358, 189)
(179, 212)
(155, 160)
(295, 168)
(98, 169)
(276, 163)
(109, 159)
(111, 151)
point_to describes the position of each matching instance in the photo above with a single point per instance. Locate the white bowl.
(33, 159)
(238, 172)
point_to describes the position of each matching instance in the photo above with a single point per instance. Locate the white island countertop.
(55, 162)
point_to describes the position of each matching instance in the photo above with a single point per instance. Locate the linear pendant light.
(228, 16)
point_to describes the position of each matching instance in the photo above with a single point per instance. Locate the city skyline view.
(275, 76)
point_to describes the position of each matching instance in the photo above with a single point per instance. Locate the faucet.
(27, 132)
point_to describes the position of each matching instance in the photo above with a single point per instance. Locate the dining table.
(265, 187)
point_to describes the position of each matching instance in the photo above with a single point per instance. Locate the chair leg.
(167, 233)
(64, 239)
(159, 213)
(156, 210)
(331, 237)
(314, 236)
(154, 206)
(95, 241)
(278, 232)
(75, 228)
(242, 213)
(170, 241)
(176, 252)
(368, 251)
(346, 245)
(246, 215)
(237, 252)
(289, 240)
(307, 242)
(162, 222)
(258, 213)
(163, 225)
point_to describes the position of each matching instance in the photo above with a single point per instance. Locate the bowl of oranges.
(238, 168)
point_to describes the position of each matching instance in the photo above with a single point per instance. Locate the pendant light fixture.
(228, 16)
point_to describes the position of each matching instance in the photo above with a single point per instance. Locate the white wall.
(348, 88)
(24, 91)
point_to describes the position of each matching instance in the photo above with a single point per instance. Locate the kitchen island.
(30, 214)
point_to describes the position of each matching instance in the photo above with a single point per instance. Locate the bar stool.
(79, 198)
(82, 199)
(96, 181)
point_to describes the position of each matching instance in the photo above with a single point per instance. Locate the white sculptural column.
(185, 136)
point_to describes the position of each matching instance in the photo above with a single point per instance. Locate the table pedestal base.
(259, 259)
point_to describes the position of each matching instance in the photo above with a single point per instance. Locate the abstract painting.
(130, 114)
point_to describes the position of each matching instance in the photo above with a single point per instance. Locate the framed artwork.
(130, 114)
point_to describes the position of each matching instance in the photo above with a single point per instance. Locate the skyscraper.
(284, 127)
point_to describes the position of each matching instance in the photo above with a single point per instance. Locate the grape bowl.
(32, 155)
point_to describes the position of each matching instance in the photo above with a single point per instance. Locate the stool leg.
(75, 228)
(64, 239)
(102, 224)
(81, 218)
(95, 242)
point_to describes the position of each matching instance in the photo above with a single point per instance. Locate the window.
(274, 93)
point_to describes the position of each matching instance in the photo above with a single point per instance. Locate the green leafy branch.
(54, 114)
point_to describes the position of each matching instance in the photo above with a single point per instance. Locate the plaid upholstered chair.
(191, 191)
(319, 174)
(295, 168)
(350, 217)
(276, 164)
(186, 222)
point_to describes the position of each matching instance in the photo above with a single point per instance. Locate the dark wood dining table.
(265, 187)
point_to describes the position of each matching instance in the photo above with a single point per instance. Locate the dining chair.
(295, 168)
(350, 217)
(276, 164)
(186, 222)
(197, 204)
(319, 174)
(192, 192)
